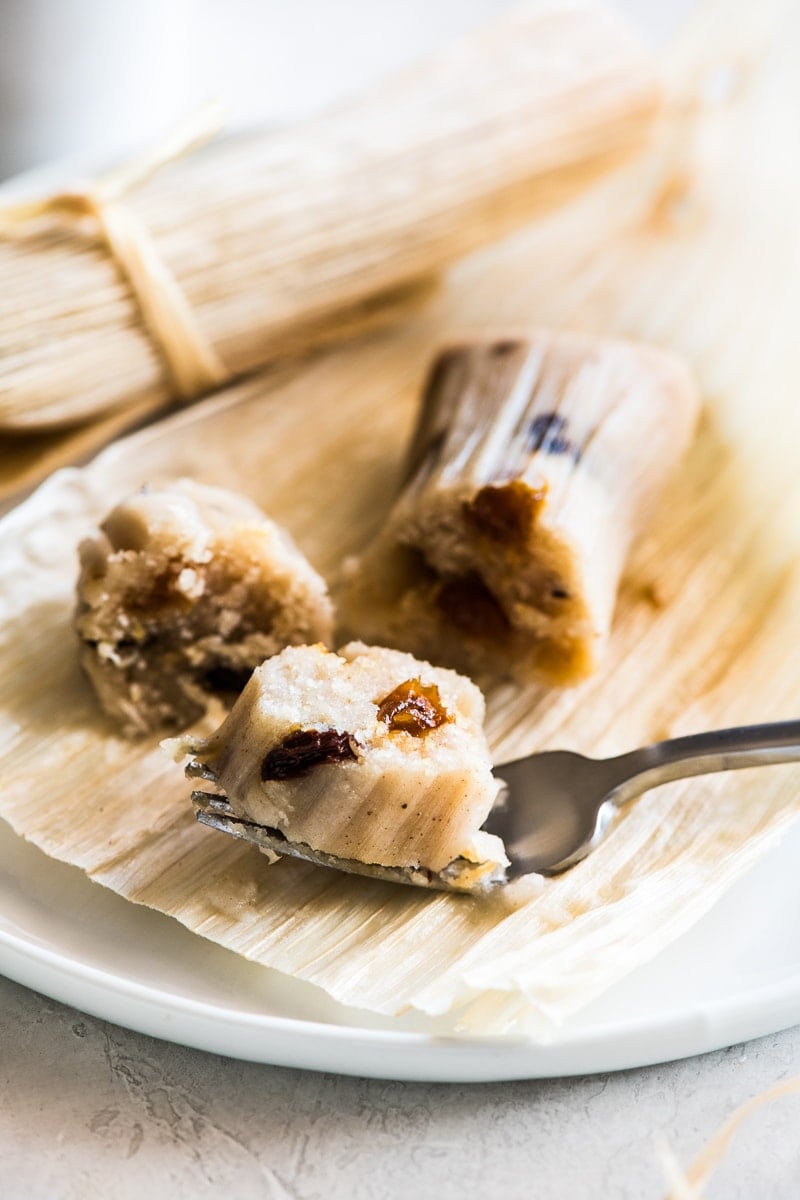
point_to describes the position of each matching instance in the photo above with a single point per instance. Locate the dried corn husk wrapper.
(26, 458)
(232, 257)
(701, 260)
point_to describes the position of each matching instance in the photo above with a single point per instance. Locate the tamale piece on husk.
(534, 463)
(367, 759)
(271, 242)
(182, 592)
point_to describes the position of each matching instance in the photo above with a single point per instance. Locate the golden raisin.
(504, 513)
(413, 707)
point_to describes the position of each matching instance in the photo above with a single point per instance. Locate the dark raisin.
(546, 433)
(504, 514)
(469, 605)
(413, 707)
(226, 680)
(559, 593)
(300, 752)
(156, 595)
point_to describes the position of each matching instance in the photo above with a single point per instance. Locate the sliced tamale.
(182, 592)
(368, 756)
(534, 463)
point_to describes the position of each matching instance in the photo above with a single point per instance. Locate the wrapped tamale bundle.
(534, 463)
(256, 246)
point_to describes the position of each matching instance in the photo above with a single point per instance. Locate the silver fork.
(555, 806)
(558, 805)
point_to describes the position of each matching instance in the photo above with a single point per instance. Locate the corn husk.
(268, 236)
(701, 260)
(691, 1184)
(28, 458)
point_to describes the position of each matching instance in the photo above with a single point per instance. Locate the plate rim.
(307, 1043)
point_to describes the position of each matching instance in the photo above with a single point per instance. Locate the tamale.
(182, 592)
(366, 759)
(534, 463)
(270, 238)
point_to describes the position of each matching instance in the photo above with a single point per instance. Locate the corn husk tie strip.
(192, 362)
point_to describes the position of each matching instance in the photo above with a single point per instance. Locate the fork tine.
(215, 812)
(215, 801)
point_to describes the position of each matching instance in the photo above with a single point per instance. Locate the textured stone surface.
(93, 1110)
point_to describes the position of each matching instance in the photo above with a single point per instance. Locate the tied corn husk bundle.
(26, 458)
(705, 632)
(263, 242)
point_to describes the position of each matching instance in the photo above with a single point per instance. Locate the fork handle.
(703, 754)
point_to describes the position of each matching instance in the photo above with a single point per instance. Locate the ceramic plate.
(735, 976)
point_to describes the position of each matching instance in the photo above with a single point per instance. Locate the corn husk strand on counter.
(183, 591)
(534, 463)
(367, 760)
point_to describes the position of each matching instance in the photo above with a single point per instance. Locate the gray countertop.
(91, 1109)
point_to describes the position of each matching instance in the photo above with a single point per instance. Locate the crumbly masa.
(534, 464)
(367, 754)
(182, 592)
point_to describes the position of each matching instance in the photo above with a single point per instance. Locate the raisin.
(158, 596)
(413, 707)
(546, 433)
(504, 514)
(305, 749)
(471, 607)
(226, 680)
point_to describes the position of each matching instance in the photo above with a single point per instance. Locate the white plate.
(735, 976)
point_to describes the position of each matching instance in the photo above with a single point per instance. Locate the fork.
(558, 805)
(555, 806)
